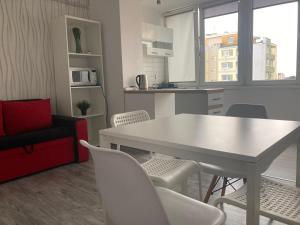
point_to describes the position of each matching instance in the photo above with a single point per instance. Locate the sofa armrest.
(80, 132)
(64, 120)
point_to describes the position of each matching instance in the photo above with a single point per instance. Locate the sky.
(279, 23)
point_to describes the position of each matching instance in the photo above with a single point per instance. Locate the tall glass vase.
(77, 34)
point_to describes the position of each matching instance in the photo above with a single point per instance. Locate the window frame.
(192, 8)
(204, 83)
(252, 82)
(245, 45)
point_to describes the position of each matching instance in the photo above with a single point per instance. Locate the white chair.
(278, 201)
(229, 177)
(163, 172)
(129, 197)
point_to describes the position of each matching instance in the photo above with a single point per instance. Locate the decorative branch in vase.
(77, 34)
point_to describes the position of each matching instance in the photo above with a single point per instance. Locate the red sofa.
(33, 140)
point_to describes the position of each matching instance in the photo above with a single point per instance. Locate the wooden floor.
(67, 196)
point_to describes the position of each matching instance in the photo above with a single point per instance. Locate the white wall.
(150, 15)
(122, 41)
(26, 53)
(122, 49)
(131, 39)
(153, 67)
(108, 13)
(281, 102)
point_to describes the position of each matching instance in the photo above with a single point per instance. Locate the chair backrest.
(127, 193)
(247, 111)
(129, 118)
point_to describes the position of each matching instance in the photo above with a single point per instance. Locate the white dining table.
(242, 144)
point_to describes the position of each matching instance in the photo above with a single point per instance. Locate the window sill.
(238, 85)
(277, 86)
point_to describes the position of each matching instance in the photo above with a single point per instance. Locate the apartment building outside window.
(227, 77)
(221, 42)
(274, 42)
(227, 52)
(227, 65)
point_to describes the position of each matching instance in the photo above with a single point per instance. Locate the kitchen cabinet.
(157, 40)
(156, 104)
(152, 33)
(149, 50)
(207, 103)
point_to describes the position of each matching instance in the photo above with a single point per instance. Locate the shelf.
(86, 87)
(75, 21)
(89, 116)
(74, 54)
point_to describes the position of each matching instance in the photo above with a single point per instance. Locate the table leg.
(253, 195)
(104, 142)
(298, 165)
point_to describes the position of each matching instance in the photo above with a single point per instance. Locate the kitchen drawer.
(215, 111)
(215, 99)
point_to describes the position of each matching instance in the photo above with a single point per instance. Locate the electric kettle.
(142, 81)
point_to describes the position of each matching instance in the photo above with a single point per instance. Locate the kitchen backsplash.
(154, 68)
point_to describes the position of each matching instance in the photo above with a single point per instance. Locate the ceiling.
(167, 5)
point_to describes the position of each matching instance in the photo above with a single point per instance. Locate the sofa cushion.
(18, 162)
(2, 133)
(27, 115)
(34, 137)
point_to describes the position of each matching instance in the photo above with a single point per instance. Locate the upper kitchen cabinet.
(153, 33)
(157, 40)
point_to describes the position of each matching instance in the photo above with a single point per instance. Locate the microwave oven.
(83, 76)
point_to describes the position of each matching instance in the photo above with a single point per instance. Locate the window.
(182, 66)
(275, 41)
(227, 53)
(221, 41)
(215, 59)
(230, 40)
(227, 65)
(227, 77)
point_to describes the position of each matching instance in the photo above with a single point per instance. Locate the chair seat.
(277, 201)
(169, 172)
(220, 171)
(182, 210)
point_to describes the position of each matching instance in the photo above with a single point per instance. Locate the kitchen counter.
(170, 101)
(176, 90)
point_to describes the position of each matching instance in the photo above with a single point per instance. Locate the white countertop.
(175, 90)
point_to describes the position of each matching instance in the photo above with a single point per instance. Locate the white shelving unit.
(65, 57)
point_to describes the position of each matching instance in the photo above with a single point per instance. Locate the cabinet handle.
(167, 54)
(216, 99)
(154, 53)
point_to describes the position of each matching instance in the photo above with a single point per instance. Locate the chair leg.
(211, 188)
(200, 187)
(224, 186)
(184, 187)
